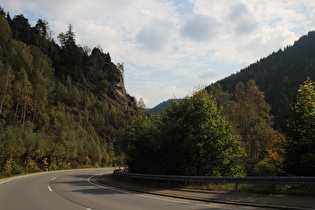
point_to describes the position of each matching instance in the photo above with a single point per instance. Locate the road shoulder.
(235, 198)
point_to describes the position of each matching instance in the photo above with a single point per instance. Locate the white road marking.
(157, 197)
(5, 181)
(49, 188)
(53, 178)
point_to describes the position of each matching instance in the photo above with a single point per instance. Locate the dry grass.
(301, 190)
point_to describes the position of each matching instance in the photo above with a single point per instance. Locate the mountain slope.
(161, 106)
(279, 74)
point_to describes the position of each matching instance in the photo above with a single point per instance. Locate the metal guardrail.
(208, 179)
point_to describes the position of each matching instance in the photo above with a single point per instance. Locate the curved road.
(77, 189)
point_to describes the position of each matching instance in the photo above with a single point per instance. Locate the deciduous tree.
(254, 123)
(301, 131)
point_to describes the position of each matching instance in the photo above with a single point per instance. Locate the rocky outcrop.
(107, 79)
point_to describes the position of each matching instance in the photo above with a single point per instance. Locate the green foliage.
(301, 131)
(41, 28)
(250, 115)
(252, 120)
(273, 162)
(140, 142)
(277, 73)
(51, 114)
(61, 107)
(210, 146)
(21, 29)
(6, 79)
(209, 134)
(5, 30)
(71, 59)
(223, 99)
(188, 138)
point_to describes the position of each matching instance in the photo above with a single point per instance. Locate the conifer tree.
(71, 55)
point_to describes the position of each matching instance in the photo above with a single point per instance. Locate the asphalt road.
(77, 189)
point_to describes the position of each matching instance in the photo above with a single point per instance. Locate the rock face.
(108, 79)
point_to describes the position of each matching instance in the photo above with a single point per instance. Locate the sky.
(170, 48)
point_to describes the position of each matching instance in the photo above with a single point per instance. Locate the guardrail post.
(236, 186)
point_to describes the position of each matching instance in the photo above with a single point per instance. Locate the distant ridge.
(161, 106)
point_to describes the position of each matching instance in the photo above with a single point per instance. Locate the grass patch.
(300, 190)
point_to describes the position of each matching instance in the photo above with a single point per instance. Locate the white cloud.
(199, 28)
(242, 20)
(253, 29)
(156, 36)
(311, 21)
(156, 91)
(206, 77)
(259, 45)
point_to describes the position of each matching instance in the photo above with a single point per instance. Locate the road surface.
(77, 189)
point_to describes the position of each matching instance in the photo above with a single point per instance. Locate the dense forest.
(65, 106)
(209, 133)
(257, 122)
(279, 75)
(61, 106)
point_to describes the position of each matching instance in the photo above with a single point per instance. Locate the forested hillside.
(65, 106)
(61, 106)
(258, 122)
(279, 75)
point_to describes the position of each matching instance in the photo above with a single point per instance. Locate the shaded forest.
(61, 106)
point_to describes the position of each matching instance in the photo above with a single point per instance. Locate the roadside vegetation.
(60, 108)
(257, 188)
(215, 134)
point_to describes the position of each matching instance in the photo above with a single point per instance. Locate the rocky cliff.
(107, 79)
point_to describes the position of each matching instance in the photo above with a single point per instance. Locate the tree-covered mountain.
(258, 122)
(161, 106)
(279, 74)
(61, 106)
